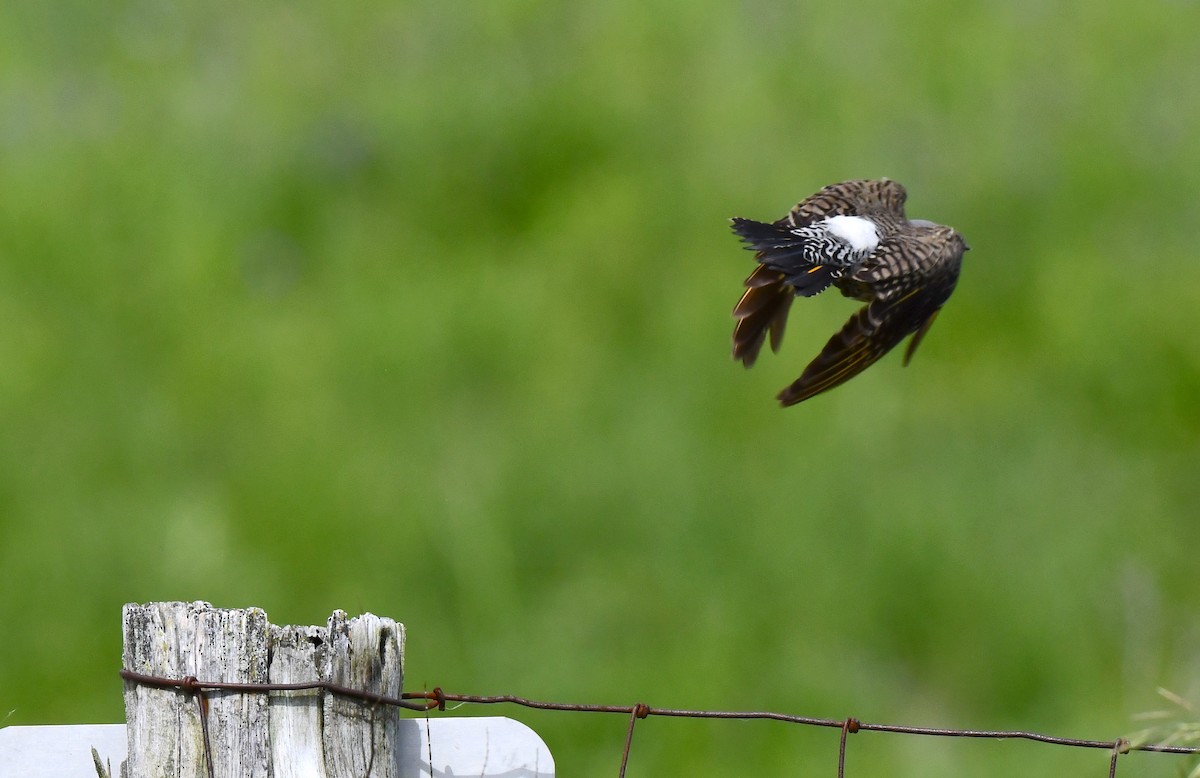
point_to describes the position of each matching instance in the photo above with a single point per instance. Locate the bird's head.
(942, 232)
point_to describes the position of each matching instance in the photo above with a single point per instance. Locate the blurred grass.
(424, 309)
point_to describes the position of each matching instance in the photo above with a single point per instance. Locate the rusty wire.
(437, 699)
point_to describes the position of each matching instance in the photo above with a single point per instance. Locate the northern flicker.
(855, 236)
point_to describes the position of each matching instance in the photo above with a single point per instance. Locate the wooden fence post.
(256, 734)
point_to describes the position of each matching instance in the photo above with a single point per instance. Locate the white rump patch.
(858, 232)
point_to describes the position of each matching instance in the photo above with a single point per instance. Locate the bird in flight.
(855, 236)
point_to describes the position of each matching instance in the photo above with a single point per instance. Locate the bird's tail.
(784, 249)
(783, 273)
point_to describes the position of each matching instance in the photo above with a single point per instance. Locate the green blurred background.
(422, 308)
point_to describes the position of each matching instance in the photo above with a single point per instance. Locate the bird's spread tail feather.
(786, 251)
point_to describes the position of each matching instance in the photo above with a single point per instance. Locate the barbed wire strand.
(437, 699)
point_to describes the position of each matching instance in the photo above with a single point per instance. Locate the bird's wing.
(849, 198)
(763, 309)
(901, 307)
(907, 263)
(871, 332)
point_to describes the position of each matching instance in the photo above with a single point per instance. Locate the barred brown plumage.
(852, 235)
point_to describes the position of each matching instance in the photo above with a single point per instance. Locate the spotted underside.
(904, 271)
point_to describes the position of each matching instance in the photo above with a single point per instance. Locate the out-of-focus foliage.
(423, 308)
